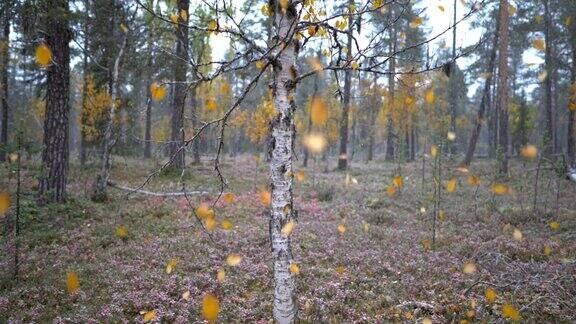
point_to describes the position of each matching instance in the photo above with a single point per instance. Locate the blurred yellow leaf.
(158, 92)
(451, 136)
(265, 197)
(204, 211)
(171, 265)
(490, 295)
(294, 268)
(288, 228)
(499, 189)
(149, 316)
(547, 250)
(366, 226)
(72, 282)
(124, 28)
(554, 225)
(174, 18)
(221, 275)
(539, 44)
(318, 111)
(233, 259)
(451, 186)
(441, 8)
(226, 225)
(529, 152)
(186, 295)
(416, 22)
(517, 234)
(43, 55)
(511, 313)
(354, 65)
(430, 97)
(301, 176)
(473, 180)
(434, 150)
(398, 181)
(4, 203)
(391, 191)
(542, 76)
(511, 10)
(315, 142)
(210, 307)
(341, 228)
(469, 268)
(213, 25)
(260, 64)
(211, 104)
(210, 223)
(183, 15)
(340, 269)
(121, 231)
(228, 197)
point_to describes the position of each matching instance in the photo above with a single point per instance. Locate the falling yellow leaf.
(288, 228)
(210, 223)
(260, 64)
(72, 282)
(233, 259)
(221, 275)
(226, 225)
(171, 265)
(213, 25)
(568, 21)
(301, 176)
(451, 136)
(318, 111)
(490, 295)
(204, 211)
(229, 197)
(547, 250)
(422, 209)
(316, 64)
(158, 92)
(441, 215)
(341, 228)
(416, 22)
(294, 268)
(499, 189)
(211, 104)
(391, 191)
(430, 96)
(149, 316)
(354, 65)
(121, 231)
(315, 142)
(340, 269)
(469, 268)
(426, 320)
(441, 8)
(174, 18)
(529, 152)
(542, 76)
(265, 197)
(426, 244)
(451, 185)
(4, 203)
(538, 19)
(184, 15)
(124, 28)
(398, 181)
(186, 295)
(434, 150)
(511, 10)
(265, 9)
(210, 307)
(511, 313)
(539, 44)
(554, 225)
(517, 234)
(473, 180)
(43, 55)
(366, 226)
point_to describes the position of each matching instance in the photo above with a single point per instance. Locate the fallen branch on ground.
(157, 194)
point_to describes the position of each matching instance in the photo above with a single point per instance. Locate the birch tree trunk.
(177, 151)
(503, 88)
(483, 103)
(281, 178)
(100, 192)
(55, 152)
(343, 156)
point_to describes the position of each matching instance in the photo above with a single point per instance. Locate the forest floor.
(383, 272)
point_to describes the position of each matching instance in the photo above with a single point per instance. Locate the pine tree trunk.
(282, 143)
(196, 142)
(177, 149)
(372, 121)
(55, 153)
(343, 153)
(4, 62)
(503, 88)
(483, 103)
(391, 85)
(453, 90)
(549, 127)
(571, 143)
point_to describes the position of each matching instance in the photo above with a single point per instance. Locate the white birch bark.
(281, 177)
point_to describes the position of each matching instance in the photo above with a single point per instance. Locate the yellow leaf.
(554, 225)
(184, 15)
(318, 111)
(539, 44)
(265, 197)
(542, 76)
(430, 96)
(366, 226)
(511, 10)
(265, 9)
(340, 269)
(226, 225)
(121, 231)
(315, 142)
(441, 8)
(354, 65)
(416, 22)
(158, 92)
(451, 136)
(316, 64)
(288, 228)
(186, 295)
(490, 295)
(341, 228)
(124, 28)
(210, 307)
(391, 191)
(43, 55)
(171, 265)
(529, 152)
(538, 19)
(233, 259)
(229, 198)
(149, 316)
(204, 211)
(434, 150)
(426, 320)
(451, 186)
(312, 30)
(398, 181)
(211, 223)
(301, 176)
(211, 104)
(499, 189)
(469, 268)
(441, 215)
(511, 313)
(4, 203)
(294, 268)
(72, 282)
(547, 250)
(221, 275)
(284, 4)
(568, 21)
(517, 234)
(174, 18)
(213, 25)
(260, 64)
(473, 180)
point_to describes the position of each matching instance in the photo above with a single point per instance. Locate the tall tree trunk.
(4, 62)
(503, 88)
(483, 102)
(196, 142)
(177, 149)
(453, 90)
(148, 122)
(373, 117)
(281, 148)
(55, 153)
(391, 84)
(100, 192)
(343, 156)
(549, 115)
(571, 143)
